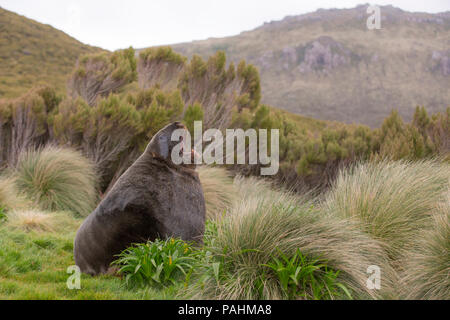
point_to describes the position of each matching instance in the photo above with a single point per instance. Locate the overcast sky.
(114, 24)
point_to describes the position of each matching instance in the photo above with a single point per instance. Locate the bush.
(301, 277)
(57, 179)
(159, 67)
(156, 263)
(157, 109)
(399, 140)
(218, 189)
(313, 152)
(106, 133)
(193, 113)
(112, 128)
(102, 74)
(69, 122)
(435, 131)
(250, 86)
(115, 131)
(219, 90)
(427, 266)
(262, 225)
(391, 201)
(23, 122)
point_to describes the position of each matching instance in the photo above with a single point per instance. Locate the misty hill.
(32, 53)
(328, 65)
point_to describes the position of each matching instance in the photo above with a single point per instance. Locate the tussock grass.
(9, 195)
(31, 220)
(58, 179)
(218, 189)
(391, 201)
(252, 187)
(263, 224)
(427, 271)
(39, 221)
(373, 213)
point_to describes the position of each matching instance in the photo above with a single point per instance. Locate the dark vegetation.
(109, 118)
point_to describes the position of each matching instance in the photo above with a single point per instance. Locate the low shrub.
(57, 179)
(219, 89)
(157, 263)
(306, 278)
(98, 75)
(23, 122)
(159, 66)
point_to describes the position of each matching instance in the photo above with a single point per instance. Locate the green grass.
(34, 266)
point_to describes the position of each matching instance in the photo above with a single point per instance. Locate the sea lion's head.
(161, 145)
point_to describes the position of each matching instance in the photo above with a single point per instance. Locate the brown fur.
(153, 199)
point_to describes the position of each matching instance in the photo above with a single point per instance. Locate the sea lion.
(153, 199)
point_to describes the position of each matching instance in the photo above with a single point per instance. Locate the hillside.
(324, 64)
(328, 65)
(32, 53)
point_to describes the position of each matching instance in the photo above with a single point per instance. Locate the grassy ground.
(342, 234)
(33, 265)
(38, 225)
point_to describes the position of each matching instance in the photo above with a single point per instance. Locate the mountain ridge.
(324, 64)
(328, 65)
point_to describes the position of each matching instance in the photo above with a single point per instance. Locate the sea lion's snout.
(194, 156)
